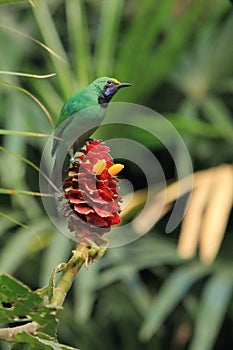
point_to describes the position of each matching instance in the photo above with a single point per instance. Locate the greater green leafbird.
(78, 121)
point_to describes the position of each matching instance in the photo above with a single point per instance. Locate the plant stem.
(80, 256)
(9, 334)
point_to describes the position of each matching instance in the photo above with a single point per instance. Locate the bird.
(80, 116)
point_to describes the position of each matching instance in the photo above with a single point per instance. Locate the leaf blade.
(170, 294)
(215, 300)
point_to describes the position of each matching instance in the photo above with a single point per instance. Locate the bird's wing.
(58, 133)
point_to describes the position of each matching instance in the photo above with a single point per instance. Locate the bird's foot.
(72, 156)
(72, 160)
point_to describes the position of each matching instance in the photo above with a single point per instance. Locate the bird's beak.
(121, 85)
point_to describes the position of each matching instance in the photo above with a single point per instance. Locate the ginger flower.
(91, 201)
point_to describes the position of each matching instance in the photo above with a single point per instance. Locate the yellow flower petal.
(115, 169)
(99, 167)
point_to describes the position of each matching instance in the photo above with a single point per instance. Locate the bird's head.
(107, 88)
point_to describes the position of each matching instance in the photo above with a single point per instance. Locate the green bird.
(77, 121)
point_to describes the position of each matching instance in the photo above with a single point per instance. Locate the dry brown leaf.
(189, 235)
(217, 212)
(205, 221)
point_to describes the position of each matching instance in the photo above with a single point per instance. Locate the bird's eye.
(109, 82)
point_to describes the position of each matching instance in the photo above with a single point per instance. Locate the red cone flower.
(91, 193)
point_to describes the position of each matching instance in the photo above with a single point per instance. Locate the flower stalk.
(82, 255)
(69, 271)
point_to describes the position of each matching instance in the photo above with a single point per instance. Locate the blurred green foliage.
(179, 56)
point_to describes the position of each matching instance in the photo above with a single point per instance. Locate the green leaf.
(22, 133)
(10, 1)
(26, 92)
(217, 113)
(42, 341)
(16, 299)
(79, 37)
(212, 309)
(200, 128)
(106, 42)
(170, 294)
(17, 302)
(29, 75)
(160, 57)
(49, 32)
(13, 220)
(16, 250)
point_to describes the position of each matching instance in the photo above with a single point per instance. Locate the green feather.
(83, 99)
(98, 94)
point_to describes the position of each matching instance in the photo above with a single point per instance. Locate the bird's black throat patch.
(103, 101)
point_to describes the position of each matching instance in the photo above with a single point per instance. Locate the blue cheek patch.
(109, 91)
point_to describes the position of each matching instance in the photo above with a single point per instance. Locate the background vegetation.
(179, 56)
